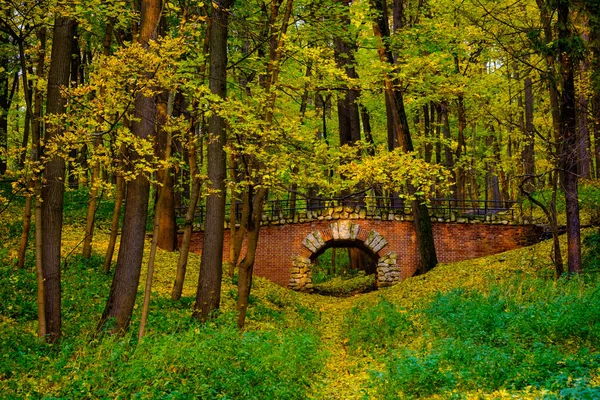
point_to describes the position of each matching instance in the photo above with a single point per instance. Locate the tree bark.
(348, 113)
(424, 232)
(54, 175)
(123, 291)
(155, 234)
(114, 226)
(4, 101)
(208, 295)
(189, 220)
(167, 231)
(569, 153)
(93, 202)
(247, 265)
(527, 153)
(255, 216)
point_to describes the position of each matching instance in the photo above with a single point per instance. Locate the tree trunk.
(461, 148)
(569, 153)
(155, 232)
(596, 122)
(247, 265)
(93, 203)
(270, 80)
(114, 226)
(595, 83)
(4, 101)
(167, 231)
(54, 174)
(584, 146)
(348, 113)
(208, 295)
(427, 133)
(448, 155)
(529, 132)
(91, 211)
(123, 291)
(189, 220)
(424, 232)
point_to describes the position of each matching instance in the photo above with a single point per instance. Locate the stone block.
(354, 231)
(344, 229)
(380, 245)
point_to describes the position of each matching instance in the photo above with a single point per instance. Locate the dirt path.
(345, 375)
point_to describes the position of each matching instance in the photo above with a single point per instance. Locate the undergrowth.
(494, 327)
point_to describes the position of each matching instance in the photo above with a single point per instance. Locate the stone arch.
(351, 234)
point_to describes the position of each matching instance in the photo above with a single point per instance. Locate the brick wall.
(454, 242)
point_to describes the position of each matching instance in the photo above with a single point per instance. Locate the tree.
(567, 48)
(123, 291)
(54, 175)
(394, 97)
(208, 295)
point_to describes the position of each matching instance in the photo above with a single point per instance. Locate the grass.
(498, 327)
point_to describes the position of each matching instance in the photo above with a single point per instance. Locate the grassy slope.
(296, 345)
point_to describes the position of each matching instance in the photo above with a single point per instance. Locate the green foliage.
(214, 361)
(589, 197)
(17, 288)
(376, 327)
(323, 270)
(76, 205)
(535, 334)
(591, 255)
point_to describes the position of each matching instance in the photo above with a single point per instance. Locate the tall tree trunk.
(461, 148)
(4, 101)
(569, 153)
(54, 174)
(208, 295)
(93, 202)
(427, 132)
(595, 82)
(529, 132)
(33, 122)
(424, 232)
(189, 218)
(246, 267)
(167, 230)
(596, 122)
(123, 291)
(584, 145)
(448, 154)
(152, 256)
(348, 113)
(583, 141)
(114, 225)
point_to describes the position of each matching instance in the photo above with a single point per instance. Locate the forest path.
(345, 375)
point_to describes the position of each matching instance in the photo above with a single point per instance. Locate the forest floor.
(498, 327)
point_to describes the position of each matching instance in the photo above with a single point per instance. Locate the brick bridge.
(288, 246)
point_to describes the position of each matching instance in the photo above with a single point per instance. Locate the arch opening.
(344, 234)
(343, 269)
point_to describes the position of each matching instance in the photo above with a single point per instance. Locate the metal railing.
(372, 206)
